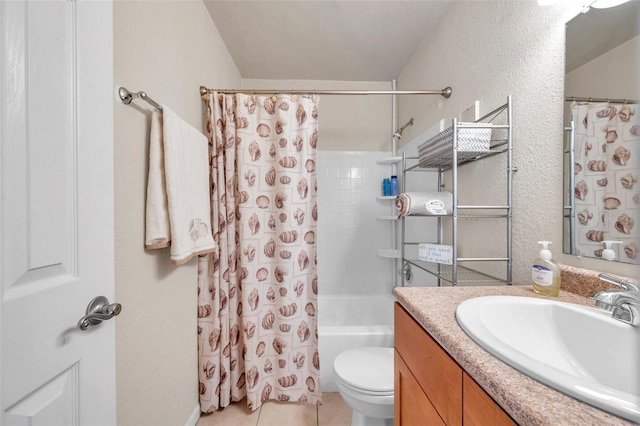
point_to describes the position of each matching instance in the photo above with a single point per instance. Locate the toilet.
(364, 377)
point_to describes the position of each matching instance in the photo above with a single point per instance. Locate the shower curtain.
(606, 176)
(257, 309)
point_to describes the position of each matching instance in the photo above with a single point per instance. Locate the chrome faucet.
(623, 302)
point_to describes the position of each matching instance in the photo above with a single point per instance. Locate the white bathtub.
(347, 322)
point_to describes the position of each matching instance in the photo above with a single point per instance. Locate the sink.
(577, 350)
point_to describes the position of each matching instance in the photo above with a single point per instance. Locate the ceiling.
(324, 40)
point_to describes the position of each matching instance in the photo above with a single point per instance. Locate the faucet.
(623, 302)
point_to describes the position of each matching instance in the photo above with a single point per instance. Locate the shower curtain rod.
(446, 92)
(611, 101)
(126, 97)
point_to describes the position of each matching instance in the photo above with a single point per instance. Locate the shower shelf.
(460, 144)
(389, 253)
(389, 160)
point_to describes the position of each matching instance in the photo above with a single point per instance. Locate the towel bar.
(126, 97)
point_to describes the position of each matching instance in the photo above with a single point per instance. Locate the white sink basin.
(578, 350)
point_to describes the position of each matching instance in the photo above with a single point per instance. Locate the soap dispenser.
(608, 253)
(546, 273)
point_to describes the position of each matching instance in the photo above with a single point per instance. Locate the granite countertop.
(526, 400)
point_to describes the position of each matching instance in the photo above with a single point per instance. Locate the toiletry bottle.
(608, 253)
(394, 185)
(546, 273)
(386, 187)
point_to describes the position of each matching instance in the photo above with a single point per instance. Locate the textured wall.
(167, 49)
(486, 51)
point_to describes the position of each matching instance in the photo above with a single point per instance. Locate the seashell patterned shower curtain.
(606, 165)
(257, 308)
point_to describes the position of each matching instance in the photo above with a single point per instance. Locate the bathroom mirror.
(602, 133)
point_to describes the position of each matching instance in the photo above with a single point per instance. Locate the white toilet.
(364, 377)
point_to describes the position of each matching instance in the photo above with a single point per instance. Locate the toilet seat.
(367, 370)
(342, 385)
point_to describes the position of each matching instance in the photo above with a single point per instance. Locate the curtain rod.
(611, 101)
(446, 92)
(126, 97)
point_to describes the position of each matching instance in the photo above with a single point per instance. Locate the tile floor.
(332, 412)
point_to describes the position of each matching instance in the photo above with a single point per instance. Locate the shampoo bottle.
(546, 273)
(386, 187)
(394, 185)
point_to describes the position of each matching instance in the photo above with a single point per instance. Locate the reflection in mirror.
(602, 133)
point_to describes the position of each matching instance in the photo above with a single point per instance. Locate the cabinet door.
(412, 407)
(479, 408)
(439, 376)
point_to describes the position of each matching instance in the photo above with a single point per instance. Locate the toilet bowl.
(364, 377)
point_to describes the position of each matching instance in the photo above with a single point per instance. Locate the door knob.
(99, 310)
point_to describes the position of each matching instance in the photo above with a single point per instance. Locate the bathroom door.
(56, 211)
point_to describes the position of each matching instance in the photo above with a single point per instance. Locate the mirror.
(602, 133)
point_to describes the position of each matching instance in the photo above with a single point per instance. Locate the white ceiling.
(324, 40)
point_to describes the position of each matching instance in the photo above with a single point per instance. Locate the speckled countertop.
(527, 401)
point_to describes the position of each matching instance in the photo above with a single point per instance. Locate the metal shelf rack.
(448, 158)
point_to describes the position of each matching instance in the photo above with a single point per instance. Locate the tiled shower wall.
(349, 232)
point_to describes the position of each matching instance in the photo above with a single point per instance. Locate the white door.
(56, 212)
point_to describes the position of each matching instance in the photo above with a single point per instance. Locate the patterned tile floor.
(333, 412)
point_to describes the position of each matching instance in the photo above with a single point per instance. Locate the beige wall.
(167, 49)
(611, 75)
(486, 51)
(348, 123)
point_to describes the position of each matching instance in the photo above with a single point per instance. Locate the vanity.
(442, 377)
(430, 387)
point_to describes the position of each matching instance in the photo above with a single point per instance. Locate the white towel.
(424, 203)
(178, 199)
(158, 233)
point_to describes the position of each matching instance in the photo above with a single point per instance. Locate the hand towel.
(185, 161)
(157, 230)
(424, 204)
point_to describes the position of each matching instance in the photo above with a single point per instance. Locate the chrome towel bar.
(126, 97)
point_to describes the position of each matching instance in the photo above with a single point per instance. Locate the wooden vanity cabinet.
(431, 388)
(479, 408)
(411, 405)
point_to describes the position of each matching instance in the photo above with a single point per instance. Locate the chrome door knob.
(99, 310)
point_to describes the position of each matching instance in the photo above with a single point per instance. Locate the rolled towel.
(424, 204)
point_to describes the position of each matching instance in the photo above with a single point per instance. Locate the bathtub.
(346, 322)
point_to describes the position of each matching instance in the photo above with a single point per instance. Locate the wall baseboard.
(194, 417)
